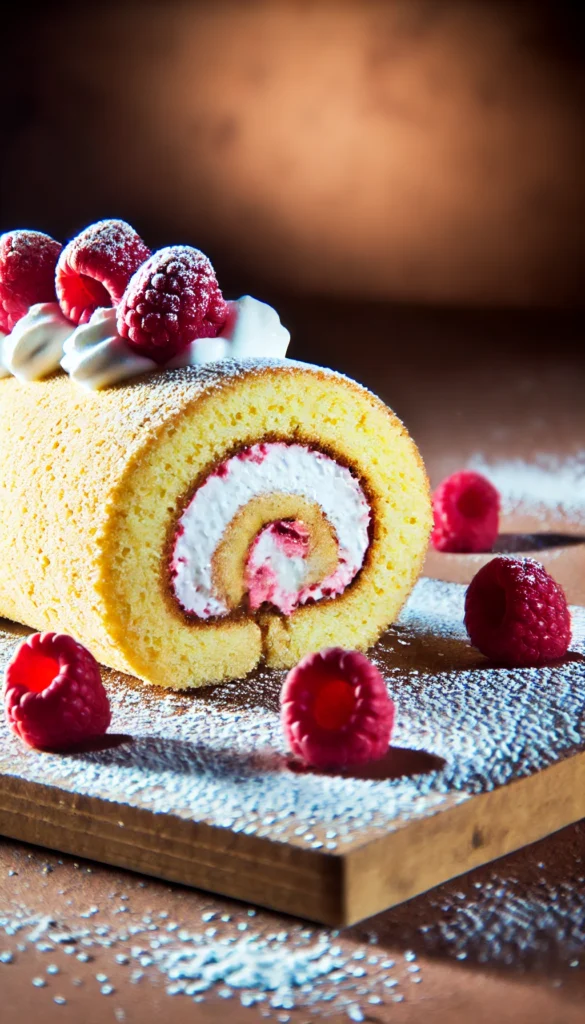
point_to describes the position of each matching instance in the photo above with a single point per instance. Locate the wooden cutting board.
(197, 788)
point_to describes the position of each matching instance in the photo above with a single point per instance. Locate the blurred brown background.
(418, 151)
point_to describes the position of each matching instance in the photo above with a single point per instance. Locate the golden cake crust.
(91, 484)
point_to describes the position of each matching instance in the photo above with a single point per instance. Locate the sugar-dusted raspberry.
(516, 614)
(27, 273)
(335, 709)
(53, 693)
(466, 508)
(173, 299)
(95, 267)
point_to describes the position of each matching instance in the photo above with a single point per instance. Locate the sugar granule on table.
(489, 917)
(280, 971)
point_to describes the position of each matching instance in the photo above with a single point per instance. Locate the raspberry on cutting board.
(95, 267)
(172, 299)
(53, 693)
(27, 273)
(335, 709)
(517, 614)
(466, 510)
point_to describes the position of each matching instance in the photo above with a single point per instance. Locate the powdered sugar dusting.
(525, 912)
(503, 919)
(220, 757)
(198, 951)
(546, 485)
(108, 242)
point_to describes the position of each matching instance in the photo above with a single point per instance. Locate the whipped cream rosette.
(96, 356)
(34, 347)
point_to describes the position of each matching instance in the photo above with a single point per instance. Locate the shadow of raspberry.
(397, 763)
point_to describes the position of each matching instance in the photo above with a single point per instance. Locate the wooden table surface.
(499, 385)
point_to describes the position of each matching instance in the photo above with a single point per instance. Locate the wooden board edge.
(393, 868)
(280, 876)
(338, 888)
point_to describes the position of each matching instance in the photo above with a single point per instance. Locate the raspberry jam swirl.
(276, 569)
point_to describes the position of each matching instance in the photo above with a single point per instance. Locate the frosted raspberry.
(171, 300)
(516, 614)
(466, 509)
(335, 709)
(27, 273)
(95, 267)
(53, 693)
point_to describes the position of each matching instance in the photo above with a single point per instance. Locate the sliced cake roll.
(191, 523)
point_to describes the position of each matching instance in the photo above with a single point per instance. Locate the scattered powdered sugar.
(526, 913)
(505, 921)
(521, 920)
(241, 956)
(548, 484)
(218, 755)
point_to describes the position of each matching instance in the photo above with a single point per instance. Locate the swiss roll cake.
(186, 525)
(175, 494)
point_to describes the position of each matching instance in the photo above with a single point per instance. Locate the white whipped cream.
(97, 357)
(265, 469)
(34, 347)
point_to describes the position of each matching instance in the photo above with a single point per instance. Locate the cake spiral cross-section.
(274, 558)
(187, 525)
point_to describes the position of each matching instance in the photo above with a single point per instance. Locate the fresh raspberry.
(27, 273)
(335, 709)
(516, 614)
(95, 267)
(53, 693)
(171, 300)
(466, 507)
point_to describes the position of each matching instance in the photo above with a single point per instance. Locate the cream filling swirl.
(264, 469)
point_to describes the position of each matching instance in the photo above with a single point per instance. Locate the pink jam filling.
(275, 565)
